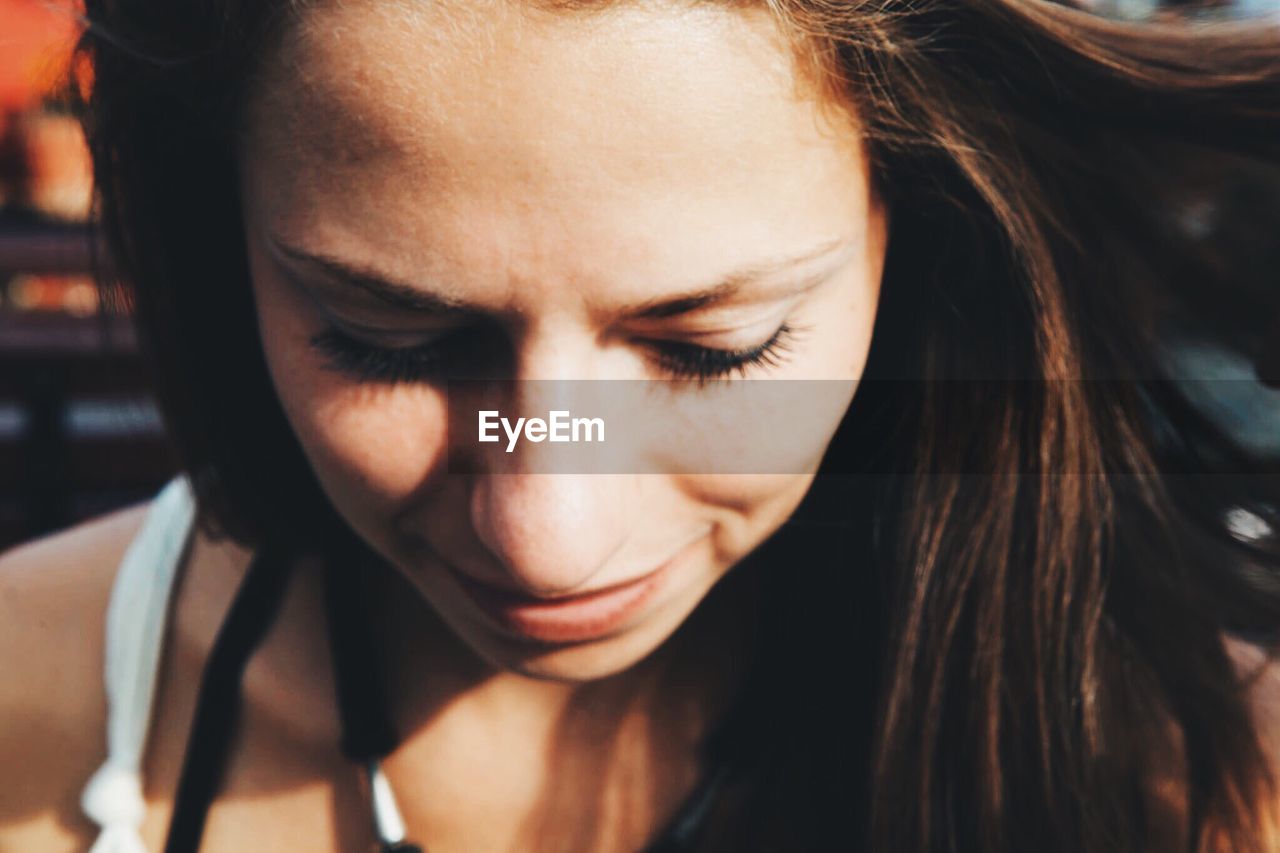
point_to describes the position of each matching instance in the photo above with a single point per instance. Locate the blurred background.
(79, 432)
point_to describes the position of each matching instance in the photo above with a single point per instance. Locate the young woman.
(1011, 592)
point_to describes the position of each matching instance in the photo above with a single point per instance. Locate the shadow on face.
(649, 195)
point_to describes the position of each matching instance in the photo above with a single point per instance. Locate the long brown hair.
(1056, 620)
(1019, 645)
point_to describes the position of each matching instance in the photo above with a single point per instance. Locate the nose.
(550, 533)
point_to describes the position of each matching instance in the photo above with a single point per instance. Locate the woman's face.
(430, 185)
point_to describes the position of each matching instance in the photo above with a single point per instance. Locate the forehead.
(363, 77)
(419, 113)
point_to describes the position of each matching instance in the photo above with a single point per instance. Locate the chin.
(574, 666)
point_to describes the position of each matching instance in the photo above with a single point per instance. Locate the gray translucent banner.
(741, 426)
(643, 427)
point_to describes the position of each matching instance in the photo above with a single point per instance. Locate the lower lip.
(571, 620)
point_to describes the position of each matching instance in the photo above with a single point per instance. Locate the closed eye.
(464, 350)
(690, 361)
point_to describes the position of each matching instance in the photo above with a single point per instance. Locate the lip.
(572, 618)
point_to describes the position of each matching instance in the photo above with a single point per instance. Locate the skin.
(549, 172)
(595, 160)
(472, 158)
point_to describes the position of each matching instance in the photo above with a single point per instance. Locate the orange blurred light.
(36, 37)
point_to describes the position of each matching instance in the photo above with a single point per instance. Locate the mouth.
(580, 618)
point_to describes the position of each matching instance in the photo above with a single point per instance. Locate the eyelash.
(690, 361)
(393, 365)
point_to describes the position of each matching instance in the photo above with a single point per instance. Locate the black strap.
(256, 605)
(367, 729)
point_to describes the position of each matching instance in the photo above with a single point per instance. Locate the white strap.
(136, 620)
(387, 821)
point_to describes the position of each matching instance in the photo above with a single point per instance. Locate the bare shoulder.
(53, 601)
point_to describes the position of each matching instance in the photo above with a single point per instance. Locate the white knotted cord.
(136, 619)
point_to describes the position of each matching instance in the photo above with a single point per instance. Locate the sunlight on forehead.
(424, 78)
(338, 77)
(493, 146)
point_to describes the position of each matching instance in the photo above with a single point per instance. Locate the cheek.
(378, 445)
(371, 446)
(751, 498)
(781, 424)
(747, 508)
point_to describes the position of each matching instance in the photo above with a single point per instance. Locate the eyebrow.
(736, 281)
(394, 293)
(405, 296)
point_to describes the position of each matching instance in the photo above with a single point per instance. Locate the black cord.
(252, 613)
(367, 730)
